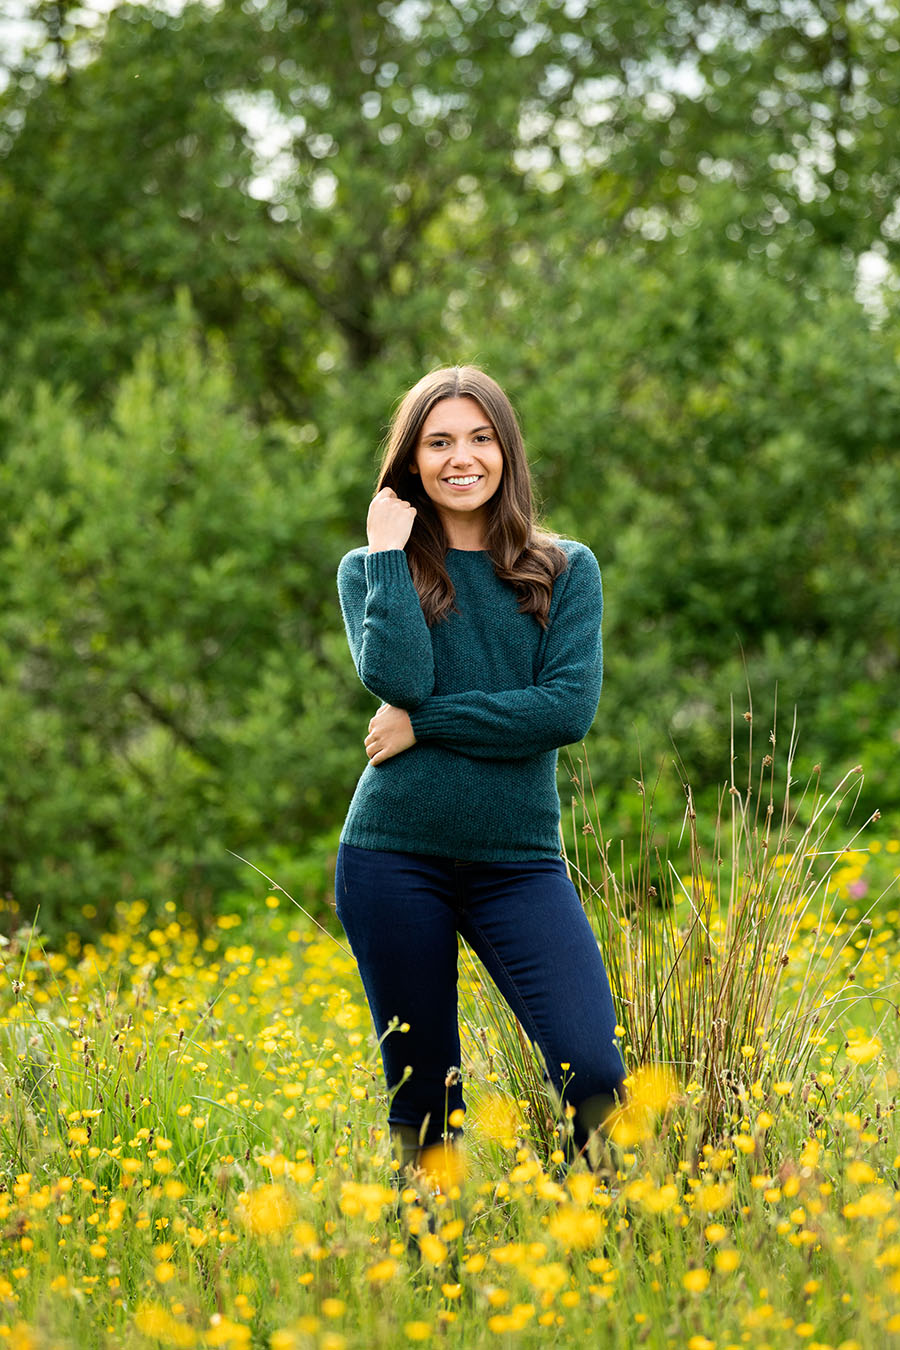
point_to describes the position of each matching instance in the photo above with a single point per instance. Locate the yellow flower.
(709, 1199)
(727, 1260)
(266, 1211)
(872, 1204)
(418, 1331)
(861, 1173)
(514, 1320)
(695, 1281)
(223, 1331)
(656, 1199)
(809, 1157)
(368, 1199)
(21, 1337)
(498, 1118)
(158, 1323)
(382, 1271)
(648, 1092)
(333, 1307)
(550, 1277)
(432, 1249)
(444, 1165)
(576, 1228)
(862, 1050)
(152, 1320)
(581, 1187)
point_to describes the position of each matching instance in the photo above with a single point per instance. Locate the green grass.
(195, 1152)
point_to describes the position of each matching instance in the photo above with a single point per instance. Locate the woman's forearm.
(386, 629)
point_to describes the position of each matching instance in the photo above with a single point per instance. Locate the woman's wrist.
(386, 566)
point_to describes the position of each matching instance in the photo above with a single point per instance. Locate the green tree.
(171, 688)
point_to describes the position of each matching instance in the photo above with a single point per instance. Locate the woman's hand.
(390, 733)
(390, 521)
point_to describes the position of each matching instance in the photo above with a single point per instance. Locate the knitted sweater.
(491, 696)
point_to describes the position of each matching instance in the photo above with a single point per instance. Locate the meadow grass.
(195, 1153)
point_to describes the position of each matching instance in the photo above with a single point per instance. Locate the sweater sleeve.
(558, 708)
(386, 629)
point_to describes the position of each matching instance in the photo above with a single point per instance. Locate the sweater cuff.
(430, 721)
(387, 567)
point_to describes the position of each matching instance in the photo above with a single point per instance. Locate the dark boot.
(405, 1146)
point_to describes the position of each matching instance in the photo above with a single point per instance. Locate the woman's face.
(459, 459)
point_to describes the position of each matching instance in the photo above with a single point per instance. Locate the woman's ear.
(412, 468)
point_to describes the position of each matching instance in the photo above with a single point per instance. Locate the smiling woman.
(460, 464)
(480, 633)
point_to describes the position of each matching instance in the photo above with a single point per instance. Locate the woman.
(480, 633)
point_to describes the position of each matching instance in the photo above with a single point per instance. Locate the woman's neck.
(468, 532)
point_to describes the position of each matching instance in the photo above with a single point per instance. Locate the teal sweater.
(491, 696)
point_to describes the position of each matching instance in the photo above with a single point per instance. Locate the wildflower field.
(195, 1151)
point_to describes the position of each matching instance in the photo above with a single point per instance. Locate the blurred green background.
(232, 234)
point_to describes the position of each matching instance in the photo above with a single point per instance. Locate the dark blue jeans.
(402, 913)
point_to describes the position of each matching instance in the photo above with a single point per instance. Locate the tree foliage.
(172, 683)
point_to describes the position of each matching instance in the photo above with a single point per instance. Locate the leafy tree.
(739, 448)
(339, 187)
(171, 689)
(136, 172)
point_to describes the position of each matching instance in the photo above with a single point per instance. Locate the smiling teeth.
(463, 482)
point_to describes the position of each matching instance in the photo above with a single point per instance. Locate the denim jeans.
(402, 913)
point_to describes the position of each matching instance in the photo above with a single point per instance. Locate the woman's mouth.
(463, 480)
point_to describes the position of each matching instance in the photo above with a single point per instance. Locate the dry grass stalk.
(702, 959)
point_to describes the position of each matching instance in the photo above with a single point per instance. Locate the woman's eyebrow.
(427, 435)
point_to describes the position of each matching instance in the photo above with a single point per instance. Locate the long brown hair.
(522, 553)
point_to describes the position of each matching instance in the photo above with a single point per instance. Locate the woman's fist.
(390, 733)
(390, 521)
